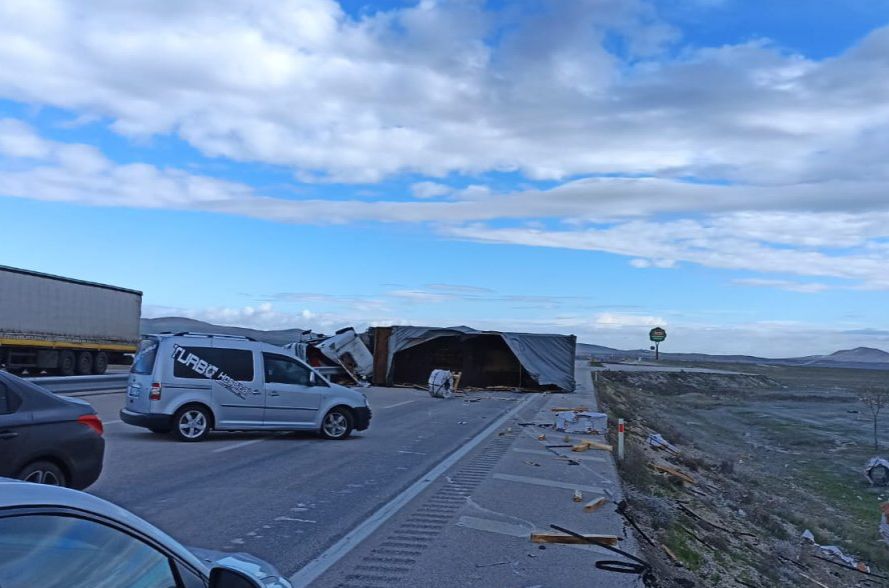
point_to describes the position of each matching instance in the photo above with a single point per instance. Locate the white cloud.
(791, 286)
(421, 89)
(429, 189)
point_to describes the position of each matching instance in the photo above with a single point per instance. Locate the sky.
(595, 167)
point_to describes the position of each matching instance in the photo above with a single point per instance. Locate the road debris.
(576, 421)
(595, 505)
(658, 442)
(877, 471)
(578, 496)
(568, 539)
(441, 383)
(676, 473)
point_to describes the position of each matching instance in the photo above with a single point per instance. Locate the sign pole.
(656, 335)
(620, 439)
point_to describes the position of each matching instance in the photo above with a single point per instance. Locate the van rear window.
(213, 363)
(143, 363)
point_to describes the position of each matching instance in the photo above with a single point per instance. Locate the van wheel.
(85, 363)
(337, 424)
(43, 472)
(191, 423)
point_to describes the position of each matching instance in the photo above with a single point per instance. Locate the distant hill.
(177, 324)
(857, 355)
(860, 357)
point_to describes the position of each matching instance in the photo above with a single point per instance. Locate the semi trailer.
(63, 325)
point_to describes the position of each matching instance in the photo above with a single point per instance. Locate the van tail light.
(155, 393)
(93, 422)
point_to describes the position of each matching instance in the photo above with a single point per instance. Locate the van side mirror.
(221, 577)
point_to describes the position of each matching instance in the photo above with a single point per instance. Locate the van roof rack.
(221, 335)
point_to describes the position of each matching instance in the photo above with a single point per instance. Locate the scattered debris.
(634, 566)
(658, 442)
(588, 444)
(567, 539)
(676, 473)
(490, 565)
(578, 496)
(595, 505)
(884, 524)
(833, 550)
(877, 471)
(541, 437)
(671, 555)
(574, 421)
(532, 463)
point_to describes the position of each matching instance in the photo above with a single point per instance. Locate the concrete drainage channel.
(393, 559)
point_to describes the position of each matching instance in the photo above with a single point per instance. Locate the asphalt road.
(283, 497)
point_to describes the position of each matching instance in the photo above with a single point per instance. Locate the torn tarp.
(544, 360)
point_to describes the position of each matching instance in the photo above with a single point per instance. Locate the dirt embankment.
(728, 507)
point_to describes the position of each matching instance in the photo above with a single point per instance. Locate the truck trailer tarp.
(548, 359)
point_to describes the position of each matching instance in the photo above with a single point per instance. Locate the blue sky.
(596, 167)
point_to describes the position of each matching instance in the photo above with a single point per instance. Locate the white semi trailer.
(63, 325)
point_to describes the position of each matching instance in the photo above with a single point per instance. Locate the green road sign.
(657, 334)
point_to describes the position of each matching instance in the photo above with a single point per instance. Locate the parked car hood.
(244, 562)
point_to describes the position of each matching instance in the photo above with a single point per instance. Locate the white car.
(191, 383)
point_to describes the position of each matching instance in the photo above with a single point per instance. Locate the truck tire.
(85, 363)
(67, 363)
(100, 363)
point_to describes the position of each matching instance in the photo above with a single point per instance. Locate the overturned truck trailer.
(525, 361)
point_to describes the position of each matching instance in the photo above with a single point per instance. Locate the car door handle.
(273, 393)
(4, 435)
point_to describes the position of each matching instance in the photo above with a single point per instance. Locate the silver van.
(192, 383)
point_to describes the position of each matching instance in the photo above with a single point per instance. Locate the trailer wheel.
(85, 363)
(67, 363)
(100, 363)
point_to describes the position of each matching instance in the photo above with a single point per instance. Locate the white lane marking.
(312, 570)
(550, 483)
(411, 452)
(399, 404)
(551, 454)
(294, 519)
(238, 445)
(112, 422)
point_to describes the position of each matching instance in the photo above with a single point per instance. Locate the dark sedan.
(47, 438)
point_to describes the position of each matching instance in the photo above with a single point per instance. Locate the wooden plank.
(572, 540)
(575, 409)
(674, 472)
(595, 505)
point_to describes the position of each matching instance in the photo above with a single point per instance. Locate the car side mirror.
(221, 577)
(312, 379)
